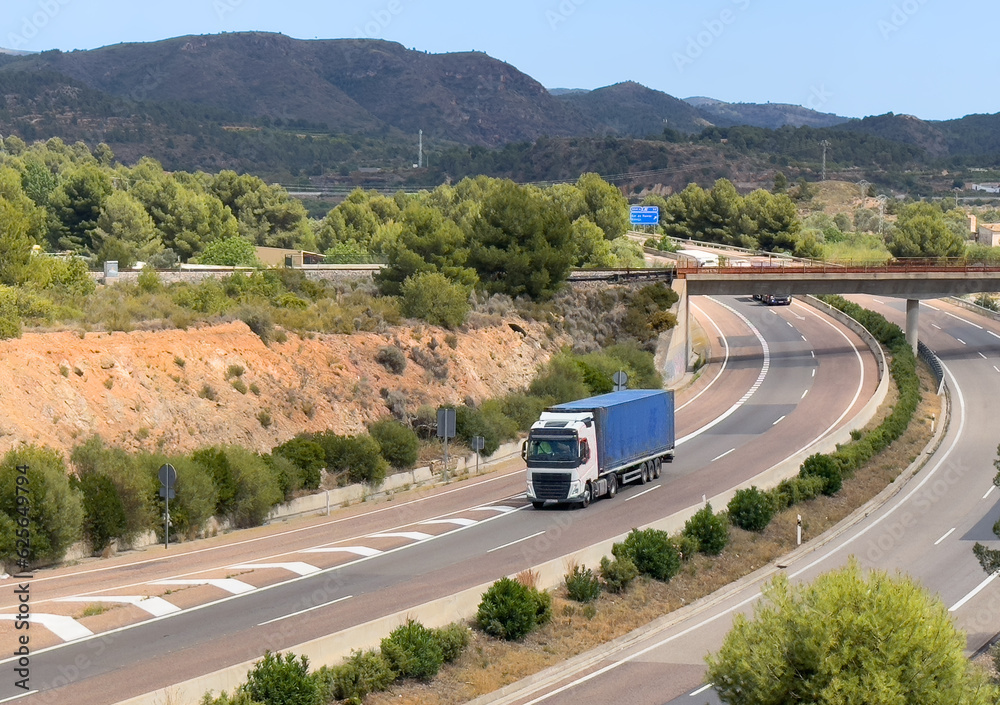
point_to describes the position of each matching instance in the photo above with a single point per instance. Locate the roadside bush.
(240, 697)
(750, 509)
(197, 495)
(582, 585)
(686, 546)
(359, 458)
(287, 474)
(56, 517)
(134, 487)
(452, 639)
(307, 455)
(819, 465)
(618, 574)
(560, 381)
(522, 409)
(510, 610)
(633, 357)
(259, 320)
(391, 358)
(277, 680)
(247, 489)
(795, 491)
(488, 422)
(363, 673)
(651, 551)
(711, 531)
(103, 512)
(398, 443)
(413, 651)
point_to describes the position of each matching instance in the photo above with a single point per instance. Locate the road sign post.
(620, 378)
(168, 478)
(446, 430)
(478, 443)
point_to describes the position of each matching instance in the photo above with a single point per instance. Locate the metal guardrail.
(932, 360)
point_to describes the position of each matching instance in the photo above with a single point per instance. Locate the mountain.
(905, 129)
(343, 85)
(769, 115)
(631, 109)
(563, 91)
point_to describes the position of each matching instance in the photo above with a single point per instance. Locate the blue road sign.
(644, 215)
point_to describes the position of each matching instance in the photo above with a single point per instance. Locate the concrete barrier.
(975, 308)
(331, 649)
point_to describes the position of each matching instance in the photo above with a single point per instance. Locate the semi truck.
(589, 448)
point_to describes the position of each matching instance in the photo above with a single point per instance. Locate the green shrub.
(363, 673)
(207, 392)
(234, 371)
(240, 697)
(522, 409)
(582, 585)
(751, 509)
(618, 574)
(149, 281)
(510, 610)
(264, 417)
(413, 651)
(247, 488)
(488, 422)
(55, 520)
(561, 380)
(435, 298)
(239, 385)
(391, 358)
(259, 320)
(197, 495)
(359, 457)
(711, 531)
(103, 512)
(282, 681)
(134, 487)
(819, 465)
(452, 639)
(398, 443)
(651, 551)
(795, 491)
(287, 474)
(308, 456)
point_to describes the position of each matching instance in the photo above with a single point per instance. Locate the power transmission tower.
(420, 151)
(825, 144)
(881, 214)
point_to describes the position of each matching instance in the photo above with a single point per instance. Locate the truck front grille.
(551, 485)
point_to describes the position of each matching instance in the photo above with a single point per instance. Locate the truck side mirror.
(524, 450)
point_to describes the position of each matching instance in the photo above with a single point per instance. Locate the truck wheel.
(612, 485)
(644, 474)
(656, 469)
(538, 505)
(587, 494)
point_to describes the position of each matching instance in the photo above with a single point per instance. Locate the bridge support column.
(912, 320)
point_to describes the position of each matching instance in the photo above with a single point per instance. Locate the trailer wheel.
(644, 474)
(538, 505)
(656, 469)
(587, 494)
(612, 485)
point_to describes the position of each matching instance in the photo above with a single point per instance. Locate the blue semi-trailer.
(588, 448)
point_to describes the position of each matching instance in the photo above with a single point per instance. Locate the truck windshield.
(548, 450)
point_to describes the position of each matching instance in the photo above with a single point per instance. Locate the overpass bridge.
(907, 280)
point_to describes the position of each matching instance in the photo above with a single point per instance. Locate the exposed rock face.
(178, 390)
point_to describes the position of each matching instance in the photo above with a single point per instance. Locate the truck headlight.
(575, 488)
(531, 488)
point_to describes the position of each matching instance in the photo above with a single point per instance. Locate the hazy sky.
(928, 58)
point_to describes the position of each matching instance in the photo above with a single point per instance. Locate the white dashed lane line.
(949, 533)
(516, 541)
(720, 457)
(363, 551)
(494, 508)
(455, 522)
(411, 535)
(778, 421)
(308, 609)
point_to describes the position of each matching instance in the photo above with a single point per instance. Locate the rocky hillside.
(169, 389)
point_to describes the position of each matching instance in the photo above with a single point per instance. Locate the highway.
(926, 529)
(781, 377)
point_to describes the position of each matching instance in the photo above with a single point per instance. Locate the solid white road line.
(66, 628)
(975, 591)
(412, 535)
(636, 496)
(526, 538)
(18, 697)
(879, 302)
(989, 491)
(296, 567)
(725, 357)
(944, 537)
(156, 606)
(495, 508)
(720, 457)
(356, 550)
(778, 421)
(308, 609)
(932, 308)
(457, 521)
(236, 587)
(702, 689)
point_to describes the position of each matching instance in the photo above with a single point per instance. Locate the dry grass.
(489, 664)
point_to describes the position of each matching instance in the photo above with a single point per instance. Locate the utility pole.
(825, 144)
